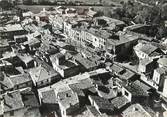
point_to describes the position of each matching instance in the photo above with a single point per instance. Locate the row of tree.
(5, 5)
(142, 14)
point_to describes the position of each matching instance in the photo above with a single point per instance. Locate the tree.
(5, 5)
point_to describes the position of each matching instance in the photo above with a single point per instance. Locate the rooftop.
(126, 74)
(68, 99)
(146, 48)
(29, 98)
(49, 97)
(3, 43)
(5, 82)
(136, 26)
(25, 58)
(68, 63)
(93, 111)
(123, 38)
(13, 101)
(135, 110)
(111, 20)
(20, 79)
(119, 102)
(32, 42)
(41, 73)
(162, 61)
(106, 92)
(137, 90)
(143, 85)
(102, 103)
(11, 28)
(145, 61)
(7, 55)
(116, 68)
(5, 63)
(88, 64)
(162, 70)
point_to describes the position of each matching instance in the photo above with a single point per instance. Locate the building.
(5, 65)
(65, 67)
(102, 105)
(48, 99)
(6, 84)
(68, 102)
(136, 92)
(26, 61)
(43, 74)
(67, 99)
(4, 46)
(86, 63)
(109, 23)
(162, 62)
(120, 103)
(93, 111)
(159, 78)
(147, 50)
(21, 81)
(135, 110)
(145, 32)
(123, 73)
(14, 104)
(9, 31)
(146, 66)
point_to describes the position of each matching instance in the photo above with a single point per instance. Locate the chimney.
(44, 10)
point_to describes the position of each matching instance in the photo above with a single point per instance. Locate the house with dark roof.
(145, 32)
(5, 83)
(123, 73)
(102, 105)
(20, 38)
(109, 22)
(19, 104)
(4, 45)
(48, 99)
(136, 92)
(10, 30)
(5, 65)
(93, 111)
(45, 51)
(86, 63)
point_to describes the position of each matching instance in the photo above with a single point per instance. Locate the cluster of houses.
(74, 62)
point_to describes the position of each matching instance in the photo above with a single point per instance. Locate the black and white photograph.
(83, 58)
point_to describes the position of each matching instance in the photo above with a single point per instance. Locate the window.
(157, 79)
(126, 93)
(136, 109)
(67, 95)
(12, 113)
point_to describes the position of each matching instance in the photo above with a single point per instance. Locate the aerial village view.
(83, 58)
